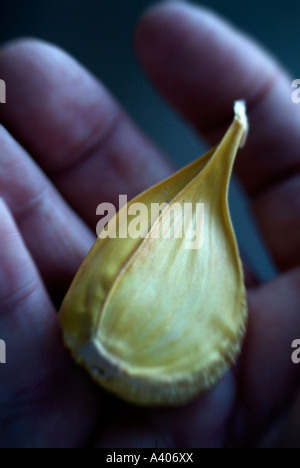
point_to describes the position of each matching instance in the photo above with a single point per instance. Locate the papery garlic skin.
(151, 320)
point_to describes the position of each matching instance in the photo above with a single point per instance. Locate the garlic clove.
(156, 320)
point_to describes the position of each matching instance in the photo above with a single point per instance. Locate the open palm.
(65, 147)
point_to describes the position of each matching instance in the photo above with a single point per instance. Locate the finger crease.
(32, 205)
(19, 295)
(95, 142)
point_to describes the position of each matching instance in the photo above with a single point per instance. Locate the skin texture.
(62, 130)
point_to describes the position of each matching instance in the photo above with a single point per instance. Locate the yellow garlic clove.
(155, 320)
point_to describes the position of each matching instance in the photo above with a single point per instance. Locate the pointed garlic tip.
(240, 111)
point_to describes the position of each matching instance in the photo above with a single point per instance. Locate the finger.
(201, 64)
(20, 284)
(269, 377)
(44, 400)
(289, 436)
(202, 423)
(286, 431)
(74, 128)
(56, 237)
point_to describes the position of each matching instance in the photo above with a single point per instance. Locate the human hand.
(65, 148)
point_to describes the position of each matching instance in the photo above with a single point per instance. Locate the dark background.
(99, 34)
